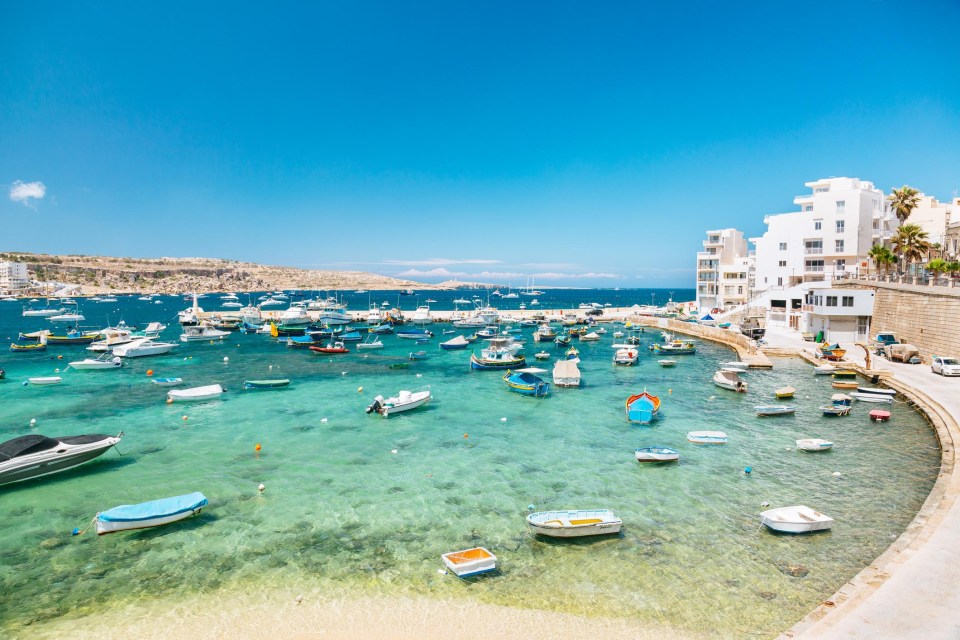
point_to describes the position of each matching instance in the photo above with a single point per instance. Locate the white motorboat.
(739, 365)
(422, 315)
(566, 373)
(729, 379)
(43, 313)
(372, 342)
(33, 456)
(403, 401)
(42, 380)
(67, 317)
(143, 347)
(207, 392)
(656, 454)
(775, 409)
(871, 397)
(707, 437)
(112, 337)
(796, 519)
(824, 370)
(94, 364)
(149, 514)
(296, 315)
(200, 332)
(814, 444)
(626, 356)
(888, 393)
(575, 523)
(666, 363)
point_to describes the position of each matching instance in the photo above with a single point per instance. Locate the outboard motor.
(376, 406)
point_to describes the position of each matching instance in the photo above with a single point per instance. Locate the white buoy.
(271, 366)
(393, 450)
(226, 359)
(33, 422)
(837, 474)
(419, 375)
(343, 373)
(261, 487)
(503, 419)
(324, 420)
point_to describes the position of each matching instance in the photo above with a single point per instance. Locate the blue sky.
(581, 144)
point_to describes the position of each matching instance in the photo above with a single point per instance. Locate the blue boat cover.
(154, 508)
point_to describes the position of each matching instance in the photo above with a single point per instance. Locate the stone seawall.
(922, 316)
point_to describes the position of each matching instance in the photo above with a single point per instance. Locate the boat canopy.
(25, 445)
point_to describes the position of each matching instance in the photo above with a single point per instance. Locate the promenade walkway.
(912, 592)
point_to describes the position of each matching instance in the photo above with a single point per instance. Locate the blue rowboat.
(642, 407)
(166, 382)
(414, 333)
(525, 381)
(300, 342)
(149, 514)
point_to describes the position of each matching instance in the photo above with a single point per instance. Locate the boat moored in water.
(575, 523)
(149, 514)
(656, 454)
(470, 562)
(403, 401)
(206, 392)
(796, 519)
(33, 456)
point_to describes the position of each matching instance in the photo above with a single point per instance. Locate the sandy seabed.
(282, 617)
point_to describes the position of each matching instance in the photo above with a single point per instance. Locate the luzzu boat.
(16, 347)
(642, 407)
(526, 382)
(73, 337)
(497, 356)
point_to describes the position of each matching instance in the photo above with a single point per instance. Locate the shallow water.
(344, 514)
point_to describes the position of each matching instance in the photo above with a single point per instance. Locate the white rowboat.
(207, 392)
(796, 519)
(814, 444)
(575, 524)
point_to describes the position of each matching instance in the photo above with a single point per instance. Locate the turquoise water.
(343, 513)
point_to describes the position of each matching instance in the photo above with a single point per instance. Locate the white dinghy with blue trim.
(149, 514)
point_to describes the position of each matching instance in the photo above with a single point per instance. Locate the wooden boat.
(707, 437)
(34, 335)
(207, 392)
(729, 379)
(527, 382)
(330, 348)
(871, 397)
(73, 337)
(832, 352)
(403, 401)
(642, 407)
(574, 523)
(566, 373)
(841, 399)
(656, 454)
(814, 444)
(381, 329)
(562, 341)
(626, 356)
(667, 363)
(166, 382)
(572, 354)
(456, 343)
(676, 347)
(299, 342)
(45, 380)
(92, 364)
(497, 356)
(149, 514)
(844, 384)
(265, 384)
(784, 392)
(835, 409)
(797, 519)
(775, 410)
(35, 347)
(470, 562)
(879, 415)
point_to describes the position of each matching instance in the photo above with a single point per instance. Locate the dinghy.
(656, 454)
(642, 407)
(729, 379)
(470, 562)
(784, 392)
(879, 415)
(814, 444)
(667, 363)
(707, 437)
(575, 523)
(166, 382)
(871, 397)
(149, 514)
(45, 380)
(207, 392)
(403, 401)
(775, 409)
(796, 519)
(265, 384)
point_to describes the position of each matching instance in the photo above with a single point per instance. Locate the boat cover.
(154, 508)
(25, 445)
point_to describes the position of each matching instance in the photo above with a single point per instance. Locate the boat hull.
(39, 465)
(575, 524)
(707, 437)
(814, 444)
(484, 363)
(656, 454)
(799, 519)
(130, 517)
(265, 384)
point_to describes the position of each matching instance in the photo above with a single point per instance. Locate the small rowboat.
(542, 355)
(166, 382)
(470, 562)
(871, 397)
(27, 348)
(784, 392)
(798, 519)
(884, 393)
(775, 410)
(844, 384)
(656, 454)
(331, 348)
(835, 409)
(207, 392)
(265, 384)
(707, 437)
(879, 415)
(575, 524)
(642, 407)
(149, 514)
(814, 444)
(666, 363)
(46, 380)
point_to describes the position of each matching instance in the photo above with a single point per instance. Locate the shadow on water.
(187, 524)
(83, 471)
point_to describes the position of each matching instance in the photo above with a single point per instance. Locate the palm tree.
(937, 266)
(952, 268)
(882, 257)
(910, 243)
(904, 200)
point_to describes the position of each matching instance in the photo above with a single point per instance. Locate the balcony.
(814, 251)
(802, 200)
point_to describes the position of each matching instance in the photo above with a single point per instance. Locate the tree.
(882, 257)
(910, 243)
(938, 266)
(952, 268)
(904, 200)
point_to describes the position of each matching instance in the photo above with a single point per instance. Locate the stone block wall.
(927, 317)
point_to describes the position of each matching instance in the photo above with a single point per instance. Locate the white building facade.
(828, 238)
(843, 315)
(935, 217)
(13, 277)
(723, 271)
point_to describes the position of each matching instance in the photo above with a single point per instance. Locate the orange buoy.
(169, 400)
(149, 372)
(466, 435)
(184, 418)
(257, 448)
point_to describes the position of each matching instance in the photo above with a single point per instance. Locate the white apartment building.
(723, 270)
(13, 277)
(828, 238)
(935, 217)
(843, 315)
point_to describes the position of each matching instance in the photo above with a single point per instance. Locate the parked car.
(945, 366)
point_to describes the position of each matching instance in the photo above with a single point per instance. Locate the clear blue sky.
(583, 144)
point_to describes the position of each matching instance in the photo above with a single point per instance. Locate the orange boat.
(642, 407)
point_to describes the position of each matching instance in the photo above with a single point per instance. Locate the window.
(847, 301)
(783, 246)
(808, 207)
(813, 265)
(831, 301)
(813, 247)
(840, 264)
(778, 304)
(838, 246)
(779, 282)
(817, 225)
(840, 226)
(782, 263)
(841, 205)
(740, 290)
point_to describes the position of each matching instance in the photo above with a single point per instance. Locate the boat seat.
(806, 517)
(583, 521)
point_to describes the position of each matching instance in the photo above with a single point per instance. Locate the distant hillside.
(96, 274)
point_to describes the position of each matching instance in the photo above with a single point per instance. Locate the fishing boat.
(729, 379)
(796, 519)
(45, 380)
(458, 342)
(414, 333)
(403, 401)
(143, 347)
(656, 454)
(676, 347)
(774, 409)
(201, 332)
(832, 352)
(330, 348)
(34, 335)
(885, 393)
(667, 363)
(814, 444)
(265, 384)
(374, 343)
(350, 336)
(166, 382)
(824, 370)
(642, 407)
(879, 415)
(149, 514)
(470, 562)
(497, 355)
(566, 373)
(626, 356)
(707, 437)
(73, 337)
(871, 397)
(542, 355)
(835, 409)
(93, 364)
(527, 382)
(544, 333)
(206, 392)
(34, 347)
(572, 354)
(844, 384)
(575, 523)
(784, 392)
(34, 455)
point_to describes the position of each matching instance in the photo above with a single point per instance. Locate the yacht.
(33, 456)
(421, 315)
(296, 315)
(143, 347)
(201, 332)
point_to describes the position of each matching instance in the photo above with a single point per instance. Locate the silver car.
(945, 366)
